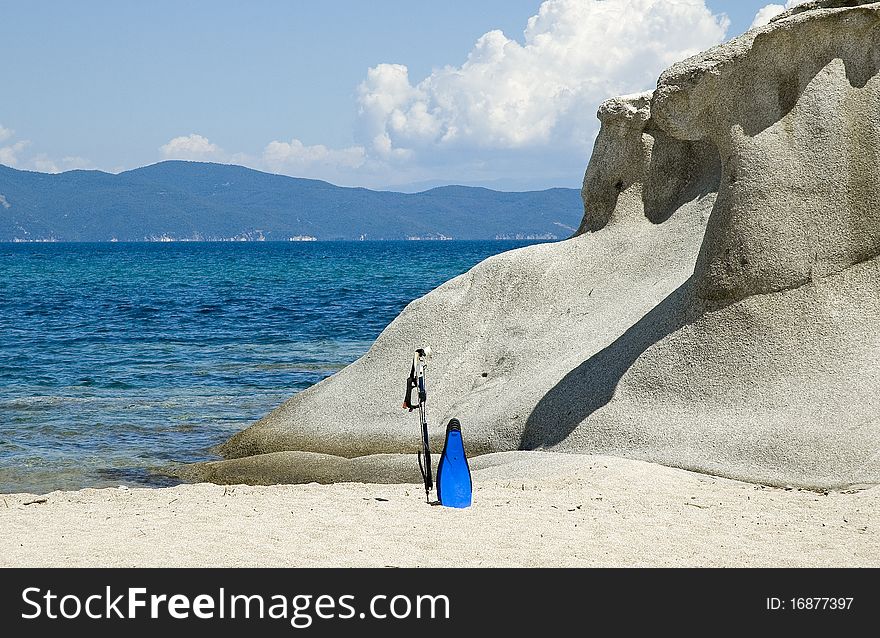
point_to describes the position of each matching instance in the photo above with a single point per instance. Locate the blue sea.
(117, 360)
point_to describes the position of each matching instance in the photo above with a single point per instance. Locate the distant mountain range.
(179, 201)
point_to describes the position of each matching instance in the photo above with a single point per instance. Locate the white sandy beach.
(537, 509)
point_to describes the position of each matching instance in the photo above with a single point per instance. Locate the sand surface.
(532, 509)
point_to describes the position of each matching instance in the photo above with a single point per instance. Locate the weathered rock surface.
(718, 311)
(793, 110)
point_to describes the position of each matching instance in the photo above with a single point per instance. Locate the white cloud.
(765, 14)
(45, 164)
(9, 155)
(191, 147)
(289, 158)
(13, 155)
(513, 109)
(346, 166)
(540, 94)
(770, 11)
(294, 155)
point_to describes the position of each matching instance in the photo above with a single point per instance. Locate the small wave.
(41, 402)
(209, 308)
(118, 385)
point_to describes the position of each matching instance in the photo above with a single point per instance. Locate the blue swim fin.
(454, 487)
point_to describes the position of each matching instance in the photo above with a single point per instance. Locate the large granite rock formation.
(717, 311)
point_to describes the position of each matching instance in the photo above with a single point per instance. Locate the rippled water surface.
(119, 359)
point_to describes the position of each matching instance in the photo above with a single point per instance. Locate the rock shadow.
(591, 385)
(851, 38)
(678, 172)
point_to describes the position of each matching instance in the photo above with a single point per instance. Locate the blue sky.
(378, 94)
